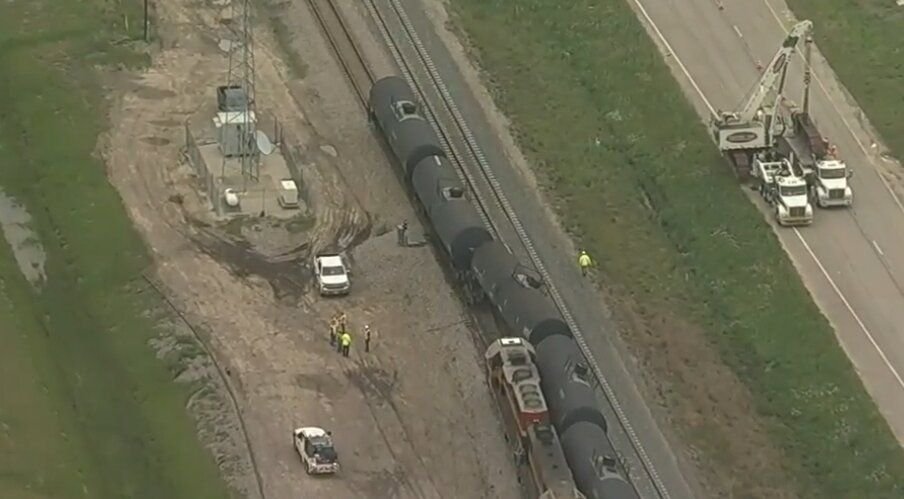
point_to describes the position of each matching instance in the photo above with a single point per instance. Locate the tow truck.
(315, 447)
(743, 134)
(783, 186)
(332, 274)
(803, 145)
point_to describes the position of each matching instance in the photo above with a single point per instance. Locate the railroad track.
(359, 73)
(343, 43)
(476, 156)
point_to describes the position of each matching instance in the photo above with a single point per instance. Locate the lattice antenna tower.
(241, 74)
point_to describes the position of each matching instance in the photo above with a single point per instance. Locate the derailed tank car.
(525, 309)
(529, 312)
(396, 111)
(566, 381)
(459, 229)
(434, 181)
(593, 463)
(492, 266)
(455, 221)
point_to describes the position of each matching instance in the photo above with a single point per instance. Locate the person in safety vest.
(585, 262)
(346, 341)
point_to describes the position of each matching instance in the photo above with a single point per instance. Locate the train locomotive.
(576, 419)
(515, 381)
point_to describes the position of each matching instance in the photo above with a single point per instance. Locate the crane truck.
(750, 130)
(803, 145)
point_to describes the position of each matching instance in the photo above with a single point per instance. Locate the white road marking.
(803, 241)
(668, 47)
(876, 245)
(851, 310)
(844, 120)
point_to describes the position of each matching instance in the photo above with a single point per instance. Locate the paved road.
(851, 260)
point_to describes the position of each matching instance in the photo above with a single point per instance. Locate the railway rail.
(359, 73)
(349, 55)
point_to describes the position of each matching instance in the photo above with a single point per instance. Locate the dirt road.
(412, 418)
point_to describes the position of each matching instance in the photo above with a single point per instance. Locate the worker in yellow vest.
(585, 262)
(346, 341)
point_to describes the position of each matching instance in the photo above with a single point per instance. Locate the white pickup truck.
(332, 274)
(315, 447)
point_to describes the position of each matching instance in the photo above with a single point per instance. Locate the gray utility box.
(231, 98)
(233, 121)
(231, 127)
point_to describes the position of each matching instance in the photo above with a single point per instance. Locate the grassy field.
(87, 409)
(644, 188)
(864, 42)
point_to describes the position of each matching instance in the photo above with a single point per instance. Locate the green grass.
(633, 171)
(864, 42)
(87, 409)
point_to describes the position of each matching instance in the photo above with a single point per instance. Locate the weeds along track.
(474, 170)
(344, 45)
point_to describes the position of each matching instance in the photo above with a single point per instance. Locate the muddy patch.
(151, 93)
(166, 123)
(27, 249)
(375, 381)
(324, 384)
(279, 251)
(383, 483)
(156, 141)
(288, 274)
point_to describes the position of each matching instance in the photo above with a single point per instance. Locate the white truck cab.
(332, 274)
(792, 203)
(830, 184)
(315, 448)
(786, 191)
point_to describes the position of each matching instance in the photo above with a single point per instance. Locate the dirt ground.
(412, 418)
(683, 377)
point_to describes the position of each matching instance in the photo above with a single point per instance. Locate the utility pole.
(241, 75)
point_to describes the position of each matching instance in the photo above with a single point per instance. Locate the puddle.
(27, 249)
